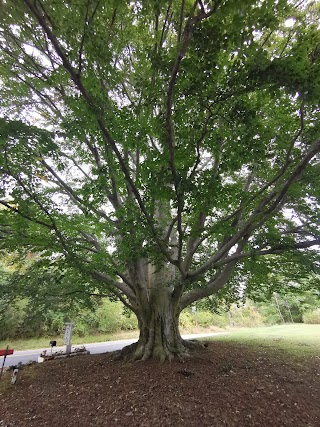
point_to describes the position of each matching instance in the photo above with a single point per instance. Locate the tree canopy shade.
(161, 148)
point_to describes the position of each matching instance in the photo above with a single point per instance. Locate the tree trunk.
(159, 328)
(158, 320)
(157, 308)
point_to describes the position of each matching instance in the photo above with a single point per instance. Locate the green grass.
(43, 342)
(297, 339)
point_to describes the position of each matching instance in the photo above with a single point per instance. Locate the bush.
(129, 322)
(312, 317)
(53, 322)
(11, 318)
(269, 314)
(220, 320)
(186, 319)
(80, 329)
(203, 318)
(110, 318)
(245, 316)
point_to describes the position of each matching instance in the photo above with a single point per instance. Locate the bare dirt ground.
(226, 384)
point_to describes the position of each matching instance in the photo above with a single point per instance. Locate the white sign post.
(194, 311)
(68, 336)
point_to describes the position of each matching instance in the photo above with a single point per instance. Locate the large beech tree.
(160, 148)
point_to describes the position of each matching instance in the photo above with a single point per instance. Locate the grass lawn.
(298, 339)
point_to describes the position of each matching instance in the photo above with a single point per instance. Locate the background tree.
(159, 147)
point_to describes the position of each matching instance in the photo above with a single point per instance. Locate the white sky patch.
(36, 53)
(289, 23)
(257, 35)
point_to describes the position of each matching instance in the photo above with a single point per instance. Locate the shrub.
(221, 320)
(246, 316)
(204, 318)
(54, 322)
(186, 319)
(81, 329)
(312, 317)
(110, 317)
(269, 314)
(129, 322)
(11, 318)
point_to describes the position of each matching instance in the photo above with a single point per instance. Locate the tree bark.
(159, 327)
(158, 313)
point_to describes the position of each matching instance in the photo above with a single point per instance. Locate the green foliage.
(40, 313)
(220, 320)
(11, 318)
(312, 317)
(203, 319)
(186, 319)
(21, 319)
(142, 137)
(110, 318)
(246, 316)
(269, 314)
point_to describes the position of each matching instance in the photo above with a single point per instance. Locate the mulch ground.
(226, 384)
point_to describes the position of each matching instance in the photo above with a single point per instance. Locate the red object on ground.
(6, 352)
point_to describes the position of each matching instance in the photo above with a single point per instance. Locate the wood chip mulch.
(226, 384)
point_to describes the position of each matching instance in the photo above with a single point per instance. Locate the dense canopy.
(162, 151)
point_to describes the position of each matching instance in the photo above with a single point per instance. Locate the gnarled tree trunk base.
(140, 352)
(159, 338)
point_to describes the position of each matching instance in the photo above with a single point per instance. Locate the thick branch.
(80, 202)
(217, 282)
(99, 117)
(261, 213)
(275, 250)
(313, 150)
(213, 286)
(119, 285)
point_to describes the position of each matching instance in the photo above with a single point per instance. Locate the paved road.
(25, 356)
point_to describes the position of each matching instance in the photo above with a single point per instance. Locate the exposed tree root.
(125, 353)
(142, 352)
(195, 344)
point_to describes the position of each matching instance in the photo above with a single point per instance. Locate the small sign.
(68, 333)
(14, 377)
(6, 352)
(68, 336)
(194, 309)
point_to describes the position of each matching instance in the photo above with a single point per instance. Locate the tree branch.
(119, 285)
(213, 286)
(100, 120)
(262, 212)
(23, 215)
(276, 250)
(70, 192)
(86, 22)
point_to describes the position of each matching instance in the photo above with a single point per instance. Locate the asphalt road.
(25, 356)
